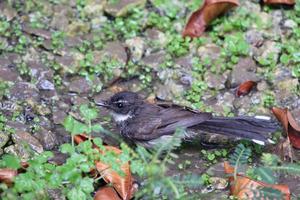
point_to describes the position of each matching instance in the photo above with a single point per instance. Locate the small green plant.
(178, 46)
(195, 93)
(57, 41)
(268, 99)
(213, 156)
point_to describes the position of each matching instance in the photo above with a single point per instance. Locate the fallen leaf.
(106, 193)
(245, 87)
(122, 184)
(292, 129)
(210, 9)
(244, 188)
(7, 175)
(287, 2)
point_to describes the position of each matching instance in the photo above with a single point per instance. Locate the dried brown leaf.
(245, 87)
(242, 187)
(199, 19)
(289, 124)
(106, 193)
(287, 2)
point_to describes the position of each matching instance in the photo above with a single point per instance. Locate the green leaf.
(87, 112)
(266, 175)
(67, 148)
(98, 142)
(76, 194)
(86, 184)
(97, 128)
(69, 123)
(10, 161)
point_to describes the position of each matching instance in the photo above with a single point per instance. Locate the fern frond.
(266, 174)
(293, 169)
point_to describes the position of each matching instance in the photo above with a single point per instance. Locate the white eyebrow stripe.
(121, 101)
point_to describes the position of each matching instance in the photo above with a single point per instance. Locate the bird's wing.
(165, 121)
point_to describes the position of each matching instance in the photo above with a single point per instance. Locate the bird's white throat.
(121, 117)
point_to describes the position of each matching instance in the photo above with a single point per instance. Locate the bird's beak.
(102, 104)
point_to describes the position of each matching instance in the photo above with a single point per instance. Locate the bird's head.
(121, 103)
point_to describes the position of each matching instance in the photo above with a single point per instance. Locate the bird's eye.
(120, 105)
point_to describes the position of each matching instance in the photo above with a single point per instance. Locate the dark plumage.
(146, 123)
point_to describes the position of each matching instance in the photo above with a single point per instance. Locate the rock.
(185, 62)
(157, 37)
(94, 8)
(45, 85)
(18, 150)
(78, 28)
(211, 51)
(115, 50)
(216, 170)
(169, 90)
(215, 81)
(285, 92)
(254, 37)
(243, 71)
(242, 105)
(7, 11)
(79, 85)
(17, 125)
(137, 47)
(154, 60)
(290, 23)
(3, 139)
(9, 74)
(56, 194)
(46, 138)
(22, 137)
(59, 21)
(36, 31)
(269, 50)
(23, 90)
(58, 116)
(226, 99)
(121, 7)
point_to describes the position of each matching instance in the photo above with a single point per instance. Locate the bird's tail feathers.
(255, 129)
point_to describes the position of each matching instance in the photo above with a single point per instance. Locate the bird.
(151, 124)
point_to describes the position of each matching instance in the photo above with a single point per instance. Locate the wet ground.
(56, 55)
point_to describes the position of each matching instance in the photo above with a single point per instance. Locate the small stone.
(78, 27)
(18, 150)
(269, 50)
(243, 71)
(94, 8)
(290, 23)
(20, 137)
(23, 90)
(115, 50)
(37, 31)
(137, 48)
(211, 51)
(169, 90)
(3, 139)
(154, 60)
(121, 7)
(45, 85)
(79, 85)
(7, 11)
(46, 138)
(9, 74)
(58, 117)
(254, 37)
(157, 37)
(215, 81)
